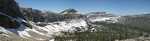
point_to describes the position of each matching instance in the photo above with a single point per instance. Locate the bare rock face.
(10, 7)
(7, 22)
(9, 10)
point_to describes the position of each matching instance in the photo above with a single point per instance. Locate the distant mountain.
(100, 14)
(69, 11)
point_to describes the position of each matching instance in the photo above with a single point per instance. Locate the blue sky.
(117, 7)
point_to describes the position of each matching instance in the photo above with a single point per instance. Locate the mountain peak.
(69, 11)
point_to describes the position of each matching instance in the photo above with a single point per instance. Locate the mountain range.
(27, 24)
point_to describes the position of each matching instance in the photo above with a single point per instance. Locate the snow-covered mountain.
(50, 30)
(47, 32)
(95, 26)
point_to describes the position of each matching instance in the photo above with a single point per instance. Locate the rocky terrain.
(27, 24)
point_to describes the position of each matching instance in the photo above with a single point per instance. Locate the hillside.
(27, 24)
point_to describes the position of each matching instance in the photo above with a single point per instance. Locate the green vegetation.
(110, 32)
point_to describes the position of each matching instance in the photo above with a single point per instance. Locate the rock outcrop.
(10, 7)
(9, 11)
